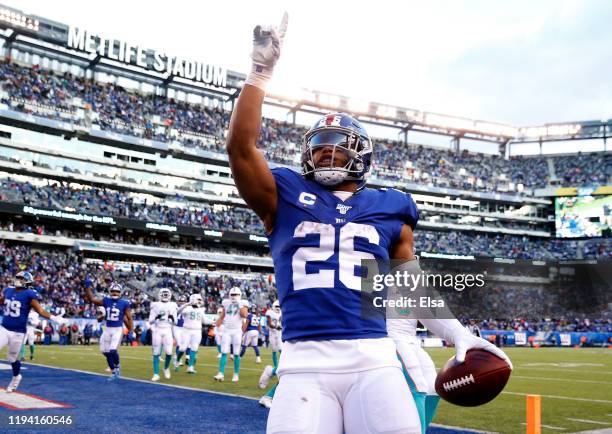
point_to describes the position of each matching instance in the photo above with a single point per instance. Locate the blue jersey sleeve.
(410, 213)
(287, 180)
(33, 295)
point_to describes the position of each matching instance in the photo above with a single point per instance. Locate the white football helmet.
(235, 293)
(276, 306)
(165, 294)
(196, 299)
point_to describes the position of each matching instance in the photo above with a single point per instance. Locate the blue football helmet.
(24, 278)
(115, 291)
(342, 134)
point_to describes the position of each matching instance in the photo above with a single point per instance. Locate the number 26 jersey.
(318, 242)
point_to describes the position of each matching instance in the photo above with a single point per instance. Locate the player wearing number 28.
(339, 371)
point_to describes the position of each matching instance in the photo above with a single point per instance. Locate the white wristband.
(259, 77)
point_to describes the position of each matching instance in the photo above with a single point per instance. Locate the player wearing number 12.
(117, 312)
(339, 371)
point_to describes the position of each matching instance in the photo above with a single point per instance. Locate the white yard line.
(556, 428)
(569, 398)
(596, 422)
(562, 379)
(552, 368)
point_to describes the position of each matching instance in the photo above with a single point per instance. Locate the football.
(475, 382)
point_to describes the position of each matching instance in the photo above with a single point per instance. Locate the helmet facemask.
(344, 143)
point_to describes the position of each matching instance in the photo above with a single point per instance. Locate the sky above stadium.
(520, 62)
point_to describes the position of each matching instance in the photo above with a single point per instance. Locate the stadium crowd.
(113, 108)
(115, 203)
(61, 277)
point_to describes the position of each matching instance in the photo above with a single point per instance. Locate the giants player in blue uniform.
(17, 301)
(117, 311)
(252, 330)
(339, 371)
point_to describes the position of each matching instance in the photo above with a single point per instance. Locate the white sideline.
(437, 425)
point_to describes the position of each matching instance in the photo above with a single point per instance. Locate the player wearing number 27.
(117, 311)
(17, 301)
(339, 371)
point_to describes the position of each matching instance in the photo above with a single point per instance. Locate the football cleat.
(258, 359)
(218, 355)
(232, 356)
(219, 377)
(14, 384)
(155, 377)
(190, 370)
(235, 378)
(167, 374)
(264, 379)
(265, 401)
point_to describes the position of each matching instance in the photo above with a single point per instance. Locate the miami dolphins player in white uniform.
(161, 319)
(193, 315)
(232, 318)
(218, 334)
(339, 371)
(33, 323)
(179, 337)
(275, 331)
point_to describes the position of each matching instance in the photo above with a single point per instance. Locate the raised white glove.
(267, 44)
(452, 331)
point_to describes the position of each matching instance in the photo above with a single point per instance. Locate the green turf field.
(575, 384)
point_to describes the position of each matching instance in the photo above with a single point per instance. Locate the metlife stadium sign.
(128, 53)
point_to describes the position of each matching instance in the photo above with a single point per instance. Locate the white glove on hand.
(267, 44)
(58, 319)
(467, 341)
(452, 331)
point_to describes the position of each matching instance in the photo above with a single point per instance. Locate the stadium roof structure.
(47, 38)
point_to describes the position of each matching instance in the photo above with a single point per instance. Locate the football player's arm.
(127, 319)
(182, 308)
(220, 319)
(450, 330)
(2, 297)
(152, 316)
(35, 304)
(250, 170)
(404, 248)
(89, 297)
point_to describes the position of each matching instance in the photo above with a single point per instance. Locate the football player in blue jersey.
(17, 301)
(117, 312)
(339, 371)
(252, 330)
